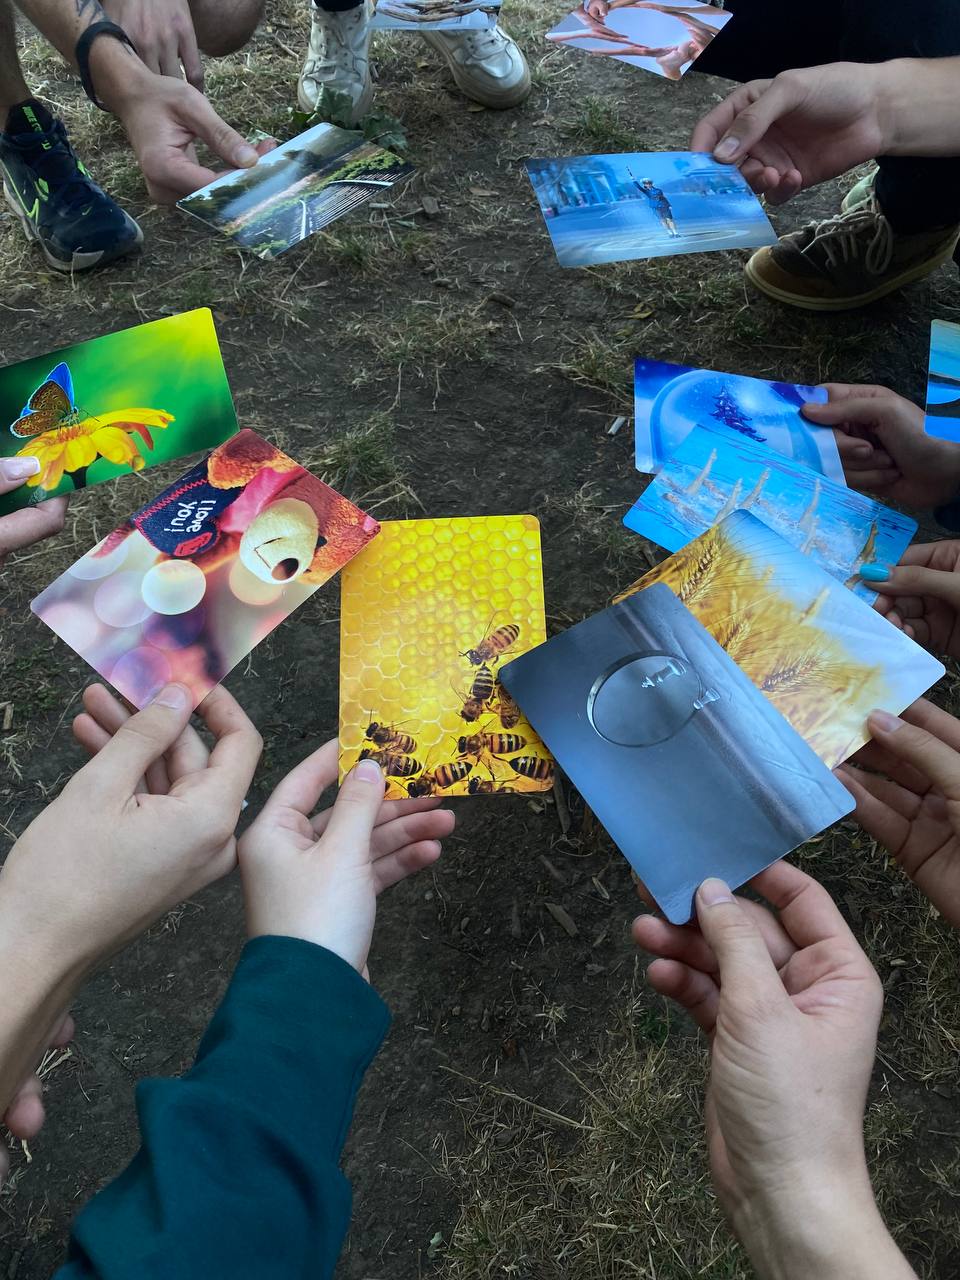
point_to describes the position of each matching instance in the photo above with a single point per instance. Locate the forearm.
(833, 1231)
(116, 71)
(917, 105)
(39, 984)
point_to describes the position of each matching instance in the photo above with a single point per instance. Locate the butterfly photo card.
(819, 653)
(714, 473)
(114, 405)
(431, 615)
(671, 399)
(193, 581)
(690, 769)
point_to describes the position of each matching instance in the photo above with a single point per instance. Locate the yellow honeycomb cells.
(412, 603)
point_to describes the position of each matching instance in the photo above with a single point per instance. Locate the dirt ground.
(535, 1112)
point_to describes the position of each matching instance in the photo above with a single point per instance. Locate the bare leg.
(224, 28)
(13, 87)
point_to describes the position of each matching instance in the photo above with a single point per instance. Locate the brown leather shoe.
(847, 261)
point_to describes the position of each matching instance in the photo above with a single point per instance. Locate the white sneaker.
(487, 65)
(338, 58)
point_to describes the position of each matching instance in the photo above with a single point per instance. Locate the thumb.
(865, 411)
(140, 741)
(913, 580)
(749, 125)
(225, 142)
(746, 968)
(356, 807)
(933, 758)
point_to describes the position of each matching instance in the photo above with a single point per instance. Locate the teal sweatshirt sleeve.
(238, 1173)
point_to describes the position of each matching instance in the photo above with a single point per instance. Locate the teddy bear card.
(194, 580)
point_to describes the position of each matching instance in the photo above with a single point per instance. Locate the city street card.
(613, 208)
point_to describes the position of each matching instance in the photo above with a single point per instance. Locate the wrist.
(119, 77)
(896, 104)
(826, 1224)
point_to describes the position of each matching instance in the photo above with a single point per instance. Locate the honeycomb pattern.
(412, 603)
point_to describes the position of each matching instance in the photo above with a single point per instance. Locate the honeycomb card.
(690, 769)
(671, 399)
(943, 381)
(193, 581)
(434, 15)
(714, 473)
(665, 38)
(431, 614)
(113, 405)
(297, 189)
(819, 653)
(645, 204)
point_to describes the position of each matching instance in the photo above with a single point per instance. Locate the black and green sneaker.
(75, 223)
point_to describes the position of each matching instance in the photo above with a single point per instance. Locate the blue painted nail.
(874, 572)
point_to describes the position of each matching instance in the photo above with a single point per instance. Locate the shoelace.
(841, 239)
(481, 44)
(335, 43)
(57, 166)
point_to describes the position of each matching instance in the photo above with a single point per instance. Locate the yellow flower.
(74, 446)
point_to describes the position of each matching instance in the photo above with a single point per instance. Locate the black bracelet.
(82, 54)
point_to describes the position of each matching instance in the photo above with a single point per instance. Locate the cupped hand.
(317, 876)
(921, 594)
(32, 524)
(798, 129)
(884, 447)
(163, 33)
(906, 783)
(111, 854)
(164, 120)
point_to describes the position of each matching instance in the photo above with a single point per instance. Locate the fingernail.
(18, 468)
(714, 891)
(174, 696)
(726, 148)
(367, 771)
(245, 156)
(874, 572)
(862, 450)
(884, 721)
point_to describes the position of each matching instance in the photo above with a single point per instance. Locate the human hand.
(910, 801)
(25, 1115)
(164, 118)
(798, 129)
(597, 8)
(113, 852)
(318, 877)
(22, 528)
(884, 447)
(921, 595)
(791, 1005)
(163, 33)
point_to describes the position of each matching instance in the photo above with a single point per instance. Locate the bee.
(534, 767)
(508, 713)
(390, 737)
(480, 787)
(396, 764)
(498, 744)
(439, 779)
(493, 645)
(481, 691)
